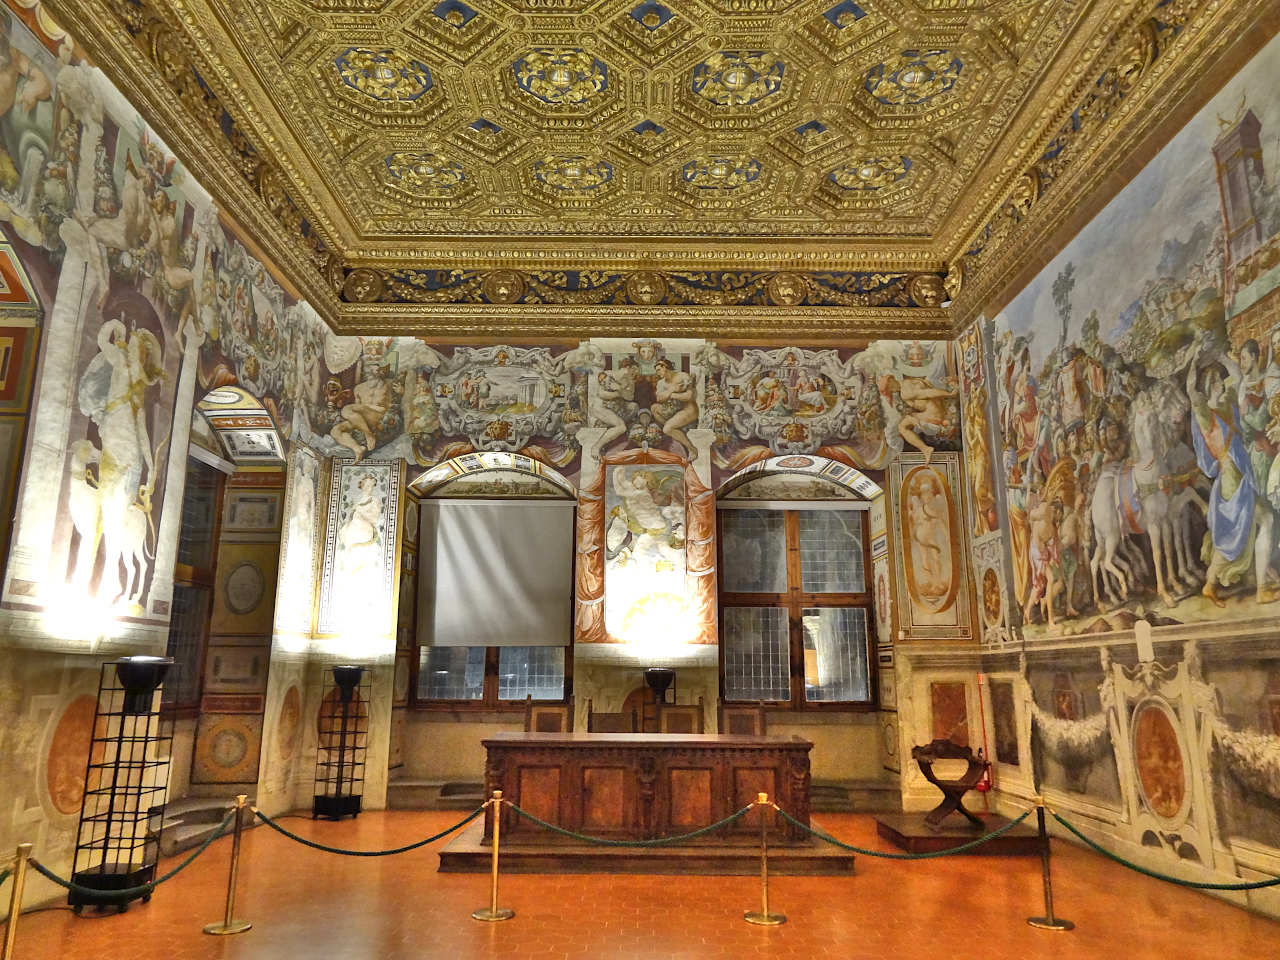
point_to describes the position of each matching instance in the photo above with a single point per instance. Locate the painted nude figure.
(617, 396)
(929, 412)
(676, 405)
(1046, 558)
(372, 399)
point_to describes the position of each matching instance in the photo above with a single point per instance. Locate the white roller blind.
(495, 573)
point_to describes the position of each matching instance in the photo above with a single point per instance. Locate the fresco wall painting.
(302, 512)
(19, 339)
(227, 749)
(985, 499)
(1004, 723)
(124, 325)
(1141, 404)
(929, 566)
(949, 711)
(361, 556)
(856, 407)
(1136, 416)
(646, 531)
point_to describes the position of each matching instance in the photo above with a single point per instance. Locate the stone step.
(199, 809)
(191, 821)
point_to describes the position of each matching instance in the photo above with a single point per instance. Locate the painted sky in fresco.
(1163, 203)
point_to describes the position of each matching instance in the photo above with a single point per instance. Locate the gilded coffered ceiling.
(798, 154)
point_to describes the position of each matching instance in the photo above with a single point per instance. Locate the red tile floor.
(306, 903)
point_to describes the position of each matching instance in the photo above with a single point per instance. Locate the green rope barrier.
(659, 842)
(131, 893)
(823, 835)
(367, 853)
(4, 875)
(1195, 884)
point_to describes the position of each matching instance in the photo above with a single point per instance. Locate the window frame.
(489, 701)
(794, 600)
(202, 578)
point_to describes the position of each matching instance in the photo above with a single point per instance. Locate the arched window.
(481, 564)
(796, 619)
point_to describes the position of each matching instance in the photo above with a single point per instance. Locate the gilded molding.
(445, 322)
(644, 287)
(228, 166)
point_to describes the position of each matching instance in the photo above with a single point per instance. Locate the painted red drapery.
(700, 550)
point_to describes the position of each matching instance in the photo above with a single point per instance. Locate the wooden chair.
(953, 791)
(548, 717)
(680, 717)
(746, 720)
(621, 722)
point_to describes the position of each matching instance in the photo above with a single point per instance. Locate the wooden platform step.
(466, 854)
(854, 796)
(411, 793)
(909, 832)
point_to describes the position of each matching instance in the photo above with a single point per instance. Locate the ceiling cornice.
(1031, 226)
(1093, 35)
(145, 68)
(775, 324)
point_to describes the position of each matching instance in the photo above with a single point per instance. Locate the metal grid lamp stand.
(126, 779)
(344, 729)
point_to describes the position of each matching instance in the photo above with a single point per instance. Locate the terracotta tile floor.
(305, 903)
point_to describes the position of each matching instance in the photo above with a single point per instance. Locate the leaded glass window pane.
(187, 618)
(835, 654)
(754, 547)
(756, 654)
(536, 672)
(199, 515)
(831, 552)
(451, 673)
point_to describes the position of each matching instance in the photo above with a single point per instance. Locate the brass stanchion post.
(15, 899)
(493, 913)
(1048, 921)
(228, 924)
(763, 917)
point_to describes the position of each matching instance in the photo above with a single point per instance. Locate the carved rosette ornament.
(423, 174)
(927, 290)
(734, 78)
(574, 173)
(504, 286)
(871, 173)
(721, 171)
(362, 286)
(383, 75)
(913, 77)
(561, 77)
(787, 289)
(646, 287)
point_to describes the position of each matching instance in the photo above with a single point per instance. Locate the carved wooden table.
(634, 786)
